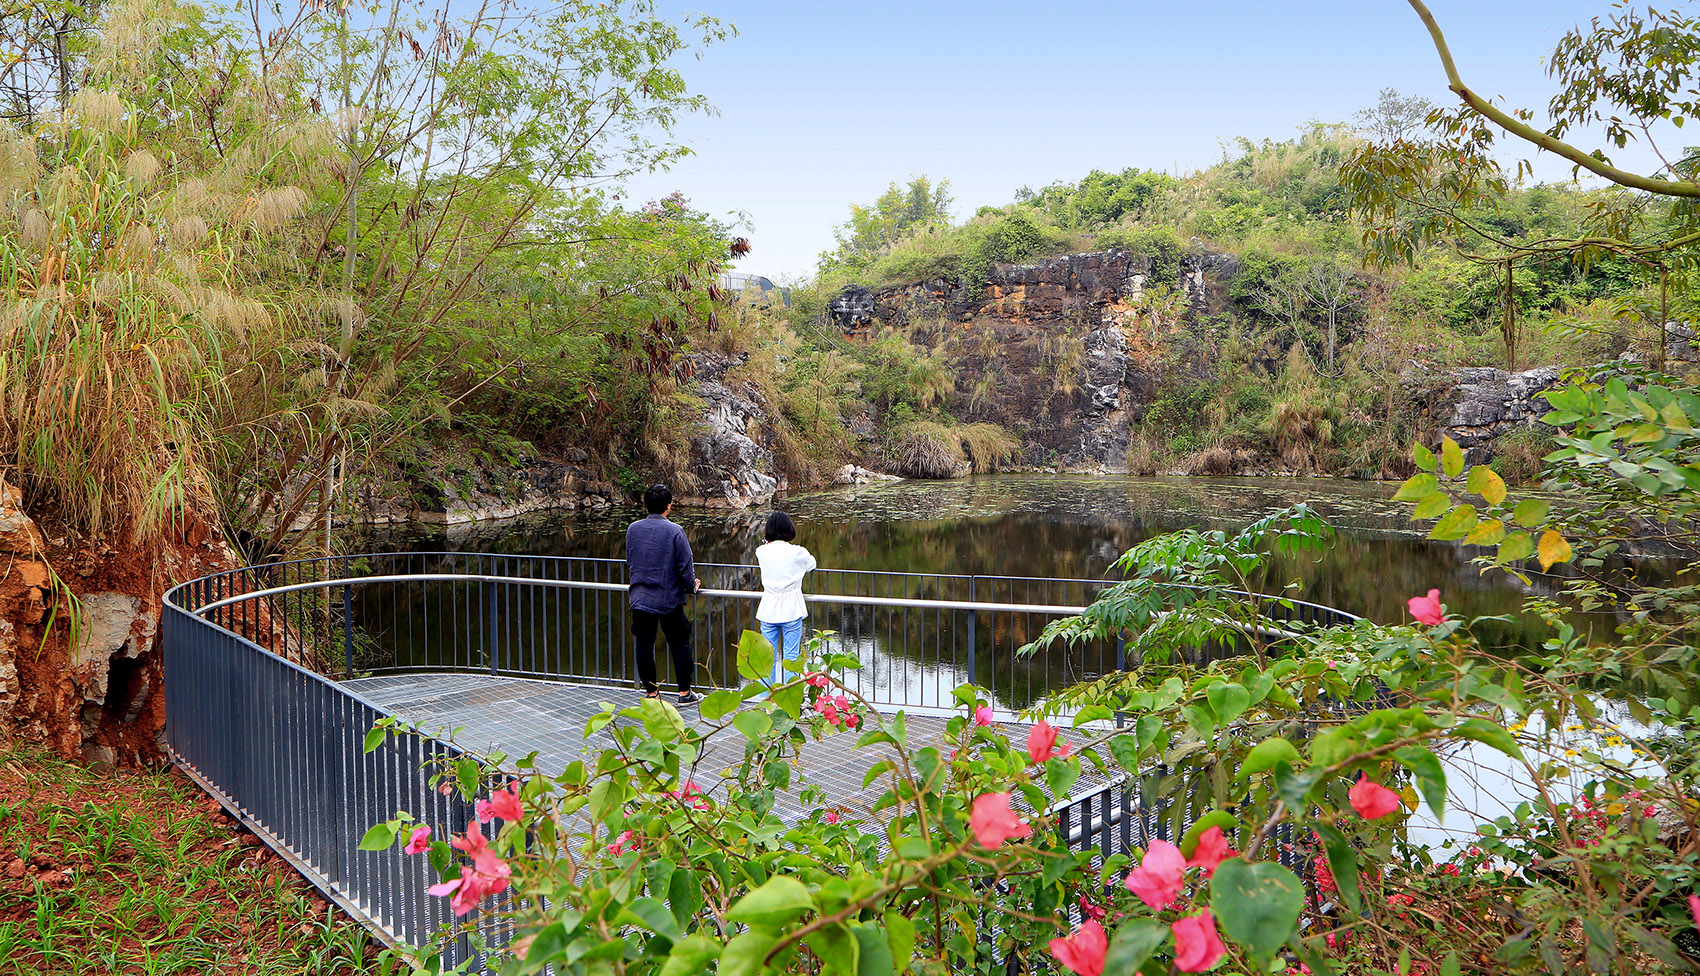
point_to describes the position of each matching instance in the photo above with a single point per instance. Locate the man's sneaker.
(689, 698)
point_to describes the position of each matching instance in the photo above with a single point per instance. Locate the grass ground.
(139, 872)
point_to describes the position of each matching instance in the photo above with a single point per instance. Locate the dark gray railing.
(256, 718)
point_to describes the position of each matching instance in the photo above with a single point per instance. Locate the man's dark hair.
(779, 527)
(656, 498)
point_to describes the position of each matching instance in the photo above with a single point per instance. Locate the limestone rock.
(1488, 402)
(852, 474)
(730, 468)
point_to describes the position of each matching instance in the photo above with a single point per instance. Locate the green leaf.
(549, 943)
(754, 724)
(781, 900)
(1060, 776)
(1125, 749)
(744, 955)
(652, 914)
(378, 837)
(717, 705)
(375, 738)
(1431, 776)
(1456, 525)
(690, 955)
(1431, 506)
(1342, 863)
(1451, 458)
(790, 699)
(1487, 483)
(1417, 487)
(1257, 903)
(1481, 730)
(873, 957)
(1215, 818)
(900, 937)
(1228, 700)
(1530, 512)
(1266, 754)
(1092, 713)
(1423, 457)
(1516, 546)
(755, 656)
(1132, 945)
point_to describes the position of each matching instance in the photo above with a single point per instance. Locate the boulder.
(730, 469)
(1487, 402)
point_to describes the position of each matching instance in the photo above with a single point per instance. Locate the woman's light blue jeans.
(787, 641)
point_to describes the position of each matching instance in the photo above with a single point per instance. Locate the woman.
(781, 612)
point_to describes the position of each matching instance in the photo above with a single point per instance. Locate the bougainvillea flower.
(832, 816)
(1427, 608)
(473, 842)
(1160, 874)
(622, 844)
(1371, 800)
(689, 795)
(851, 721)
(1091, 911)
(1694, 909)
(1083, 950)
(445, 787)
(1197, 946)
(1211, 851)
(503, 805)
(419, 841)
(818, 680)
(983, 715)
(469, 889)
(1042, 742)
(993, 822)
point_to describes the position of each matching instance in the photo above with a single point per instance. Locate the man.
(662, 573)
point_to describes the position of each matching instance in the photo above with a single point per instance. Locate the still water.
(1067, 526)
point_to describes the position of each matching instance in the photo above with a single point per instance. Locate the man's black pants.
(677, 628)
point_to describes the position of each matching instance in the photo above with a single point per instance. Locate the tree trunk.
(1509, 326)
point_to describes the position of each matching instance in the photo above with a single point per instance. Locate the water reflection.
(1071, 526)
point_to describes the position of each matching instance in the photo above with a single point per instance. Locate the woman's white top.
(783, 566)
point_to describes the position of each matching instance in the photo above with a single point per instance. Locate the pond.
(1065, 526)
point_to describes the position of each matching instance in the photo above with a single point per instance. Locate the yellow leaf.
(1488, 532)
(1409, 796)
(1433, 506)
(1451, 458)
(1553, 549)
(1487, 483)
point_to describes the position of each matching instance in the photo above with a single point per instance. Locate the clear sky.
(821, 105)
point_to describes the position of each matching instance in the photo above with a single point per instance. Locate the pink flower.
(1450, 870)
(851, 721)
(689, 795)
(468, 890)
(1158, 878)
(1042, 742)
(983, 715)
(445, 787)
(1371, 800)
(1427, 608)
(842, 702)
(1211, 851)
(1091, 911)
(484, 859)
(1694, 909)
(1083, 950)
(622, 844)
(832, 816)
(993, 822)
(419, 841)
(817, 680)
(503, 805)
(1197, 947)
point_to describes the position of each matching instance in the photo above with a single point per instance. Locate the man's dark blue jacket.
(659, 562)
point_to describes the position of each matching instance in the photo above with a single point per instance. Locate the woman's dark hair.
(656, 498)
(779, 527)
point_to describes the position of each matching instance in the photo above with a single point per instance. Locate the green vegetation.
(131, 873)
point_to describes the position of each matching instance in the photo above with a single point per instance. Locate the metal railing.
(256, 717)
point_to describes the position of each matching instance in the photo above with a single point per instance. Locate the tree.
(1394, 116)
(1624, 73)
(873, 229)
(1328, 286)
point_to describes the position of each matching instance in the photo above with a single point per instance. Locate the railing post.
(490, 626)
(973, 647)
(348, 630)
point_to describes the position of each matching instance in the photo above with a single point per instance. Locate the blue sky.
(822, 105)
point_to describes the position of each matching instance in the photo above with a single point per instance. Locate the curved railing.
(255, 713)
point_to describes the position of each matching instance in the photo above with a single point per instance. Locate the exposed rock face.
(852, 308)
(97, 697)
(456, 491)
(1487, 402)
(731, 469)
(1062, 351)
(852, 474)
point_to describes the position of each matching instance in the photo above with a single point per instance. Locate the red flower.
(419, 842)
(1083, 951)
(689, 795)
(1197, 947)
(1211, 851)
(1427, 608)
(1042, 742)
(1371, 800)
(503, 805)
(993, 822)
(622, 843)
(1090, 910)
(1159, 877)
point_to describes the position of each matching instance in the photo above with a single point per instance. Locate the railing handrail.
(590, 584)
